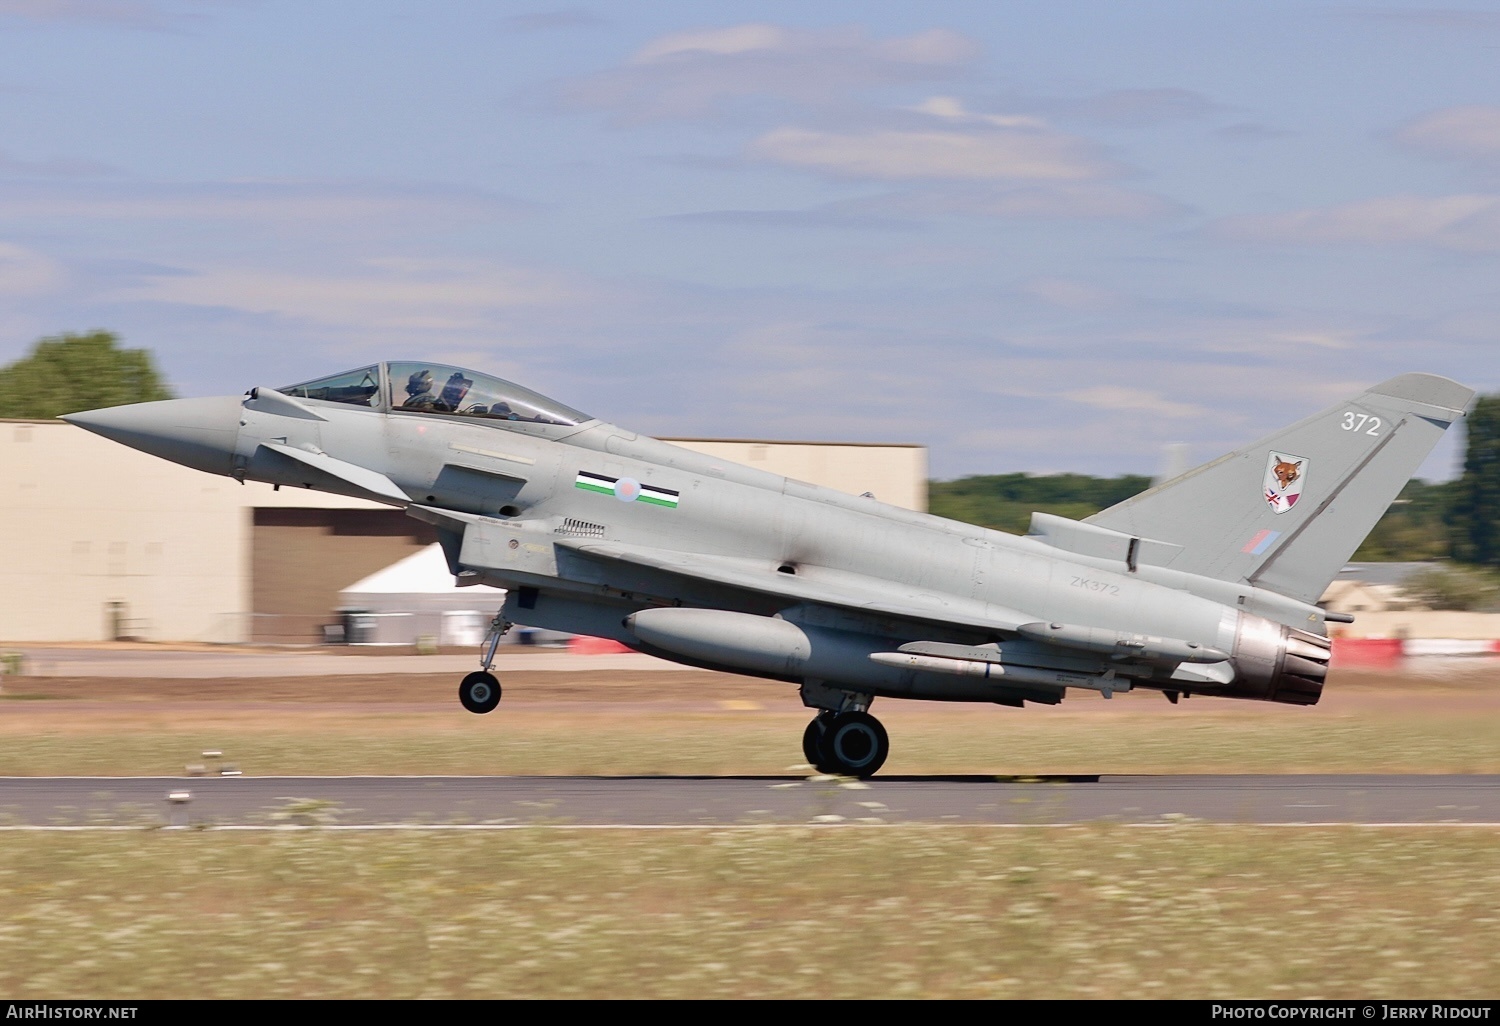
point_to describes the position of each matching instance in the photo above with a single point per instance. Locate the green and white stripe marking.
(626, 489)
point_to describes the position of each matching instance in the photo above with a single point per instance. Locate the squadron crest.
(1285, 477)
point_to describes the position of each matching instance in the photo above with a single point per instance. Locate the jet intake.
(285, 464)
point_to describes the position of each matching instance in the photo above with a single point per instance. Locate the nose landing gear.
(480, 690)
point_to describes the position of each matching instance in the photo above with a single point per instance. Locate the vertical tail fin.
(1287, 512)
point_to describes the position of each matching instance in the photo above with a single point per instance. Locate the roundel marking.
(627, 489)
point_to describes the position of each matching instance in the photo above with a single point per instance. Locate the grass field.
(702, 723)
(1189, 911)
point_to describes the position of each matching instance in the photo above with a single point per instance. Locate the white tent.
(417, 597)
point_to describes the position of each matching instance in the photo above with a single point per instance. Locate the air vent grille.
(581, 529)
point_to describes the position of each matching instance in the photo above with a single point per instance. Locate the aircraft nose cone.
(198, 433)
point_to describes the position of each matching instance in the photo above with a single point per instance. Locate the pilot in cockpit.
(419, 391)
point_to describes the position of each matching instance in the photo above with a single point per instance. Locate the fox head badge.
(1285, 477)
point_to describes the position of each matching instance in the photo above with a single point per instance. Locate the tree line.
(72, 372)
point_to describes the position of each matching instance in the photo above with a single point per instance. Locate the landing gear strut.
(480, 690)
(850, 744)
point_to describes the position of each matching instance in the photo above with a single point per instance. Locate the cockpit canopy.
(423, 387)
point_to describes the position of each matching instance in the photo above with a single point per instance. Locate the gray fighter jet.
(1204, 585)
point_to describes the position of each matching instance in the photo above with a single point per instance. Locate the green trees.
(1004, 502)
(67, 373)
(1447, 586)
(1474, 516)
(1413, 529)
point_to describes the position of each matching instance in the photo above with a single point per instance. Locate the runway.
(709, 801)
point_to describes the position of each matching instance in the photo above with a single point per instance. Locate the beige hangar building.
(101, 542)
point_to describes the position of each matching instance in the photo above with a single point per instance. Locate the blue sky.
(1032, 236)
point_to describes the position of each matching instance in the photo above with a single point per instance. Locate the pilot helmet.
(419, 382)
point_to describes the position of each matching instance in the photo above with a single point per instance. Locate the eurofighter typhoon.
(1204, 585)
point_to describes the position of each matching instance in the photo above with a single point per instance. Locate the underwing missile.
(1121, 644)
(991, 669)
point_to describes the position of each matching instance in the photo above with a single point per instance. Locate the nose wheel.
(850, 744)
(479, 692)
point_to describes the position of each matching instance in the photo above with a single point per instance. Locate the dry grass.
(1192, 911)
(1186, 911)
(692, 723)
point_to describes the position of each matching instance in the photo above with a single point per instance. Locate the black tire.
(812, 742)
(855, 745)
(479, 692)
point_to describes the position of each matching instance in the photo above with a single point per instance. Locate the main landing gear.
(849, 744)
(480, 690)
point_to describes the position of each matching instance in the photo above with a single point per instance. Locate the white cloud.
(1070, 294)
(1252, 131)
(1140, 107)
(950, 108)
(259, 202)
(1403, 18)
(693, 73)
(1047, 380)
(27, 273)
(1314, 338)
(547, 21)
(380, 295)
(1472, 325)
(57, 167)
(934, 46)
(1470, 132)
(940, 139)
(1131, 400)
(1050, 201)
(1170, 338)
(129, 13)
(893, 154)
(903, 209)
(1271, 338)
(734, 39)
(1461, 222)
